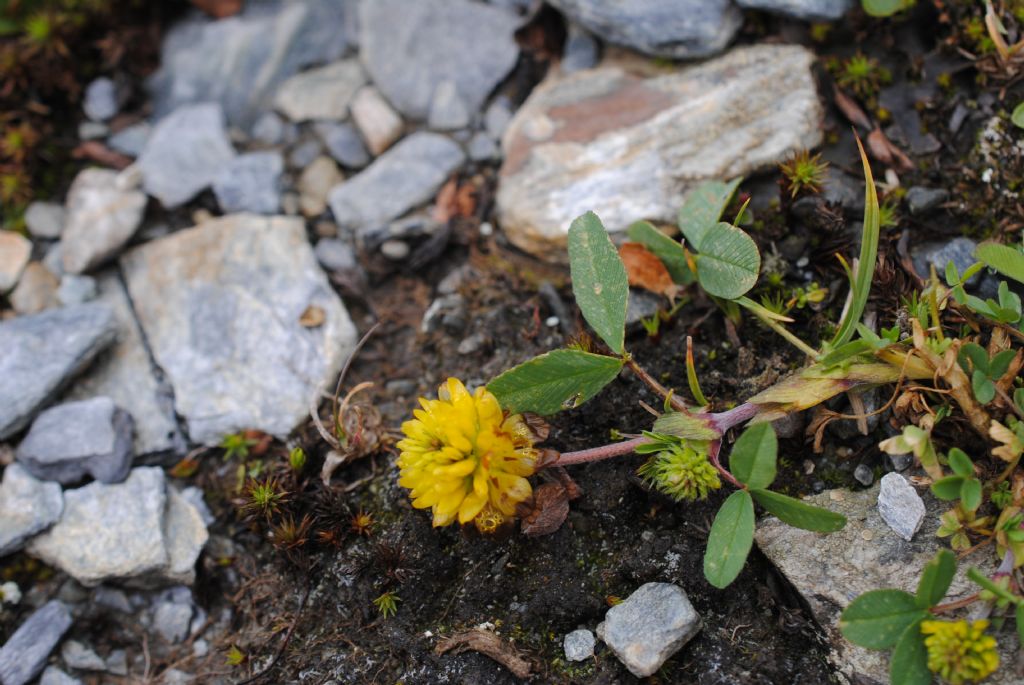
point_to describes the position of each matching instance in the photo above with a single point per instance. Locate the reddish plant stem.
(713, 451)
(727, 419)
(615, 449)
(674, 401)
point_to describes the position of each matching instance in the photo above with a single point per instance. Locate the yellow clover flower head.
(960, 652)
(464, 459)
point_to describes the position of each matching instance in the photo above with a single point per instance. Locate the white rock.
(45, 219)
(27, 506)
(379, 124)
(900, 506)
(101, 218)
(579, 645)
(15, 251)
(323, 93)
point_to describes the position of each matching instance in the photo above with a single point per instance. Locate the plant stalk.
(615, 449)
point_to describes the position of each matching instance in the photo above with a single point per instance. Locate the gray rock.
(125, 374)
(270, 129)
(194, 496)
(497, 117)
(187, 151)
(447, 110)
(315, 183)
(76, 289)
(72, 440)
(92, 130)
(112, 598)
(25, 652)
(54, 676)
(666, 28)
(131, 140)
(36, 291)
(174, 676)
(395, 250)
(900, 462)
(100, 101)
(137, 532)
(448, 311)
(78, 656)
(27, 506)
(406, 176)
(630, 148)
(222, 299)
(45, 220)
(15, 252)
(959, 250)
(378, 123)
(172, 620)
(117, 662)
(241, 61)
(900, 506)
(811, 10)
(344, 145)
(322, 93)
(642, 304)
(831, 570)
(579, 645)
(581, 50)
(251, 183)
(921, 200)
(303, 154)
(335, 255)
(843, 190)
(864, 475)
(409, 49)
(649, 627)
(482, 148)
(40, 354)
(101, 217)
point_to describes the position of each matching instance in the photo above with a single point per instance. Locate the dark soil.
(305, 609)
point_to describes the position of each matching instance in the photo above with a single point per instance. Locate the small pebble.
(900, 506)
(395, 250)
(579, 645)
(864, 475)
(551, 321)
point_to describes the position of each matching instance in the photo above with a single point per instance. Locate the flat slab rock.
(27, 506)
(138, 532)
(40, 354)
(322, 93)
(649, 627)
(830, 570)
(69, 441)
(220, 305)
(629, 147)
(23, 655)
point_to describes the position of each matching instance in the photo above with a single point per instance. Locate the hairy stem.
(715, 448)
(616, 449)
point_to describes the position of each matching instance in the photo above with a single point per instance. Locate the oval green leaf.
(935, 579)
(799, 514)
(703, 207)
(1019, 616)
(753, 456)
(732, 534)
(908, 664)
(1018, 116)
(883, 8)
(970, 494)
(670, 252)
(728, 263)
(1006, 260)
(877, 619)
(948, 488)
(599, 280)
(960, 462)
(560, 379)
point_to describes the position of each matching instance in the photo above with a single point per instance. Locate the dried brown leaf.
(851, 110)
(539, 428)
(547, 511)
(218, 9)
(886, 152)
(490, 645)
(312, 317)
(646, 271)
(96, 151)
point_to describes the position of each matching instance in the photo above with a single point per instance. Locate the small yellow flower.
(464, 459)
(960, 652)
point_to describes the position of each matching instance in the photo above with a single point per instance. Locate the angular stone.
(132, 140)
(76, 289)
(100, 102)
(482, 148)
(69, 441)
(125, 374)
(27, 506)
(811, 10)
(581, 50)
(270, 129)
(344, 144)
(630, 148)
(36, 291)
(406, 176)
(101, 217)
(666, 28)
(378, 123)
(322, 93)
(579, 645)
(15, 251)
(186, 152)
(830, 570)
(649, 627)
(24, 654)
(109, 532)
(251, 183)
(240, 62)
(185, 535)
(315, 183)
(39, 354)
(411, 48)
(303, 154)
(335, 255)
(45, 219)
(54, 676)
(222, 300)
(447, 110)
(921, 200)
(81, 657)
(172, 620)
(900, 506)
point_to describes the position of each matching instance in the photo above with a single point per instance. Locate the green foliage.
(885, 8)
(877, 619)
(752, 460)
(598, 280)
(669, 251)
(936, 578)
(804, 173)
(1006, 260)
(560, 379)
(703, 207)
(681, 472)
(1018, 115)
(730, 539)
(297, 459)
(984, 372)
(236, 445)
(862, 75)
(387, 604)
(728, 261)
(799, 514)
